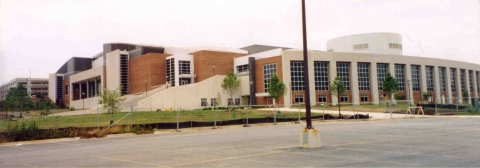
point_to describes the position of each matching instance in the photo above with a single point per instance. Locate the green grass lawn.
(46, 122)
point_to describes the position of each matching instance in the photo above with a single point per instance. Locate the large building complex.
(34, 86)
(161, 77)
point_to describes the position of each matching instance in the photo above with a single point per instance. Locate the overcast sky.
(42, 34)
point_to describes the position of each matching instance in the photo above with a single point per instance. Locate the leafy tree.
(276, 88)
(390, 85)
(425, 96)
(17, 98)
(231, 84)
(465, 97)
(337, 88)
(111, 100)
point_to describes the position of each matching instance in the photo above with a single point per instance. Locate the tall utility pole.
(305, 71)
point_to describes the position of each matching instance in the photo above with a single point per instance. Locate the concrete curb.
(120, 135)
(40, 141)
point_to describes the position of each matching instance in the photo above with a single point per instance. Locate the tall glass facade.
(296, 73)
(400, 76)
(343, 71)
(381, 72)
(363, 76)
(415, 77)
(320, 70)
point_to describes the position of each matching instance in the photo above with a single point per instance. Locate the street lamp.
(83, 94)
(408, 93)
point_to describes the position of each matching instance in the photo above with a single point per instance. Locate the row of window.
(360, 46)
(321, 76)
(322, 98)
(395, 45)
(213, 101)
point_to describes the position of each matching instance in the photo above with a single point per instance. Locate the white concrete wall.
(266, 54)
(98, 62)
(187, 96)
(378, 43)
(88, 74)
(183, 57)
(189, 50)
(52, 87)
(244, 85)
(113, 69)
(89, 103)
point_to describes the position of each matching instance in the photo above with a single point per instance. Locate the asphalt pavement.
(415, 142)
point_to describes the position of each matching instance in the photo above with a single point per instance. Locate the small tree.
(337, 88)
(231, 84)
(425, 97)
(390, 85)
(276, 88)
(111, 100)
(465, 97)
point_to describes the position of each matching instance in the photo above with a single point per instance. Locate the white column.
(96, 88)
(354, 83)
(88, 90)
(408, 82)
(474, 79)
(374, 82)
(332, 67)
(423, 79)
(436, 85)
(448, 85)
(477, 83)
(458, 85)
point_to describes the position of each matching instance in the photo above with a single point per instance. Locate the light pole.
(214, 105)
(408, 94)
(246, 125)
(83, 94)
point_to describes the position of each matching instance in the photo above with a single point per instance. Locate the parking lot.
(414, 142)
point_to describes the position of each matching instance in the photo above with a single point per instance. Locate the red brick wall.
(149, 67)
(204, 60)
(66, 93)
(260, 87)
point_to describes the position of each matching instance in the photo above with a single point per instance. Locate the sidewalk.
(374, 115)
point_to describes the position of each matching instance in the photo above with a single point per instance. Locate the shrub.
(72, 108)
(399, 97)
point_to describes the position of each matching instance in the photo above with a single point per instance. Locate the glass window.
(344, 98)
(204, 101)
(184, 67)
(230, 101)
(320, 70)
(364, 98)
(415, 77)
(441, 78)
(322, 98)
(470, 80)
(400, 76)
(237, 101)
(242, 68)
(363, 76)
(343, 71)
(296, 73)
(171, 71)
(298, 98)
(213, 102)
(429, 73)
(453, 74)
(462, 79)
(478, 83)
(381, 72)
(268, 71)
